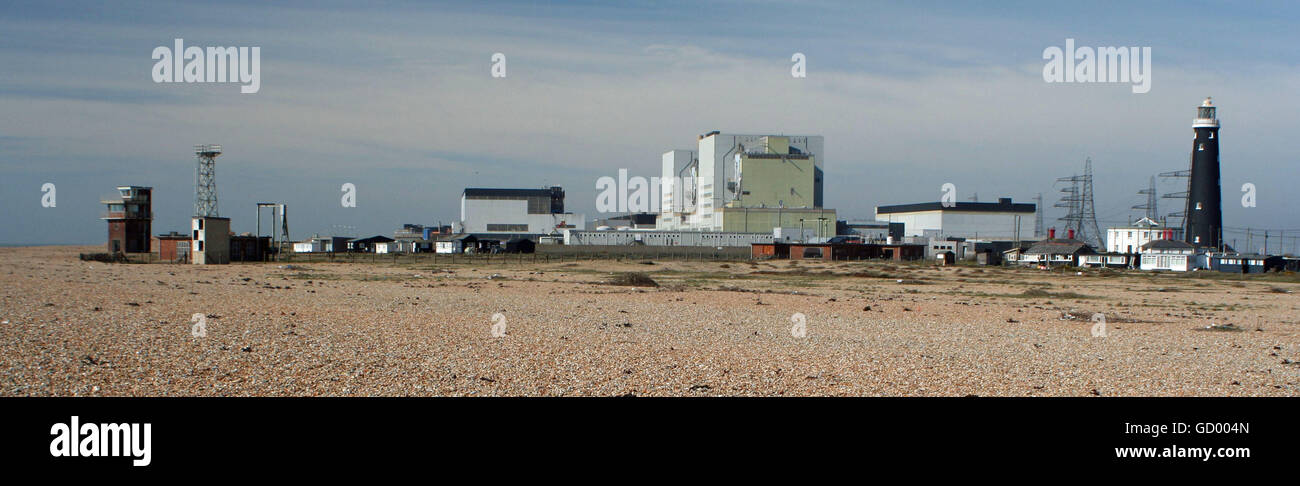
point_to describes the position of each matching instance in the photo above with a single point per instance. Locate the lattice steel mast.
(205, 180)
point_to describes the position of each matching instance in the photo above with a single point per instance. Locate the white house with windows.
(1171, 255)
(1130, 238)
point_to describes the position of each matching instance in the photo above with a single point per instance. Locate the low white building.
(454, 244)
(1104, 260)
(1171, 255)
(319, 244)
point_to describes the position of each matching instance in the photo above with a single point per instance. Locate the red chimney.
(1071, 234)
(1051, 233)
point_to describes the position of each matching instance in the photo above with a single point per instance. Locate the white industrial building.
(1131, 238)
(989, 221)
(508, 212)
(729, 176)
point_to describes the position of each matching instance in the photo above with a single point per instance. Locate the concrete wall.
(915, 223)
(988, 225)
(764, 220)
(672, 191)
(773, 182)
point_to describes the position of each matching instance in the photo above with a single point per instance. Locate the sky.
(398, 99)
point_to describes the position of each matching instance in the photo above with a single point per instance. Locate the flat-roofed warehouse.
(993, 221)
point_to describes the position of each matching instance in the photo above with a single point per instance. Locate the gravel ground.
(74, 328)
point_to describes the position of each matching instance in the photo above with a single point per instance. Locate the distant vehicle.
(845, 239)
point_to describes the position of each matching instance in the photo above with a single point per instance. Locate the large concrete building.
(744, 184)
(990, 221)
(515, 212)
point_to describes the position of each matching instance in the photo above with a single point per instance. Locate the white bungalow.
(1171, 255)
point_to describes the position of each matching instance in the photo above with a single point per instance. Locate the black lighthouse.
(1204, 208)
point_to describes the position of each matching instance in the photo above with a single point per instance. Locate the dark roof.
(488, 192)
(1060, 246)
(373, 239)
(460, 237)
(1168, 245)
(1248, 256)
(1002, 206)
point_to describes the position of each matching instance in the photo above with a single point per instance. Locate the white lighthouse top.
(1205, 115)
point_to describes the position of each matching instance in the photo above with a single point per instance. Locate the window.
(812, 253)
(539, 205)
(495, 227)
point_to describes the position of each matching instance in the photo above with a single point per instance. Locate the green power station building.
(746, 184)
